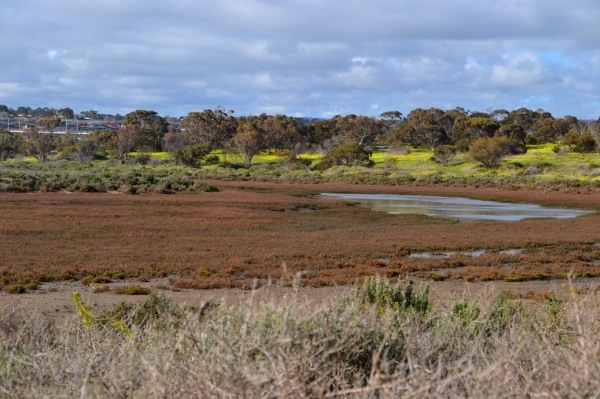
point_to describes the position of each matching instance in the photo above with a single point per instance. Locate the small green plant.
(206, 271)
(150, 309)
(15, 289)
(379, 292)
(122, 328)
(503, 311)
(464, 311)
(83, 310)
(99, 288)
(515, 278)
(554, 310)
(133, 289)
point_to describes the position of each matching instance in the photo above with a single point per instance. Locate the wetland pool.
(460, 209)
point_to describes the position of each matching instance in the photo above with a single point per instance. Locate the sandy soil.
(54, 299)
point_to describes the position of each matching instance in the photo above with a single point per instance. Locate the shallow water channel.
(461, 209)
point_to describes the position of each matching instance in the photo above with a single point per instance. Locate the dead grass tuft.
(384, 341)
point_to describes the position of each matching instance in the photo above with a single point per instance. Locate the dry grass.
(231, 238)
(372, 345)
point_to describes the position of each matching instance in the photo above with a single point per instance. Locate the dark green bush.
(490, 151)
(15, 289)
(443, 154)
(585, 144)
(133, 289)
(346, 153)
(194, 155)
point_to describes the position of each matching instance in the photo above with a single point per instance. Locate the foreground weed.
(371, 345)
(503, 312)
(15, 289)
(122, 328)
(465, 312)
(83, 310)
(556, 313)
(380, 292)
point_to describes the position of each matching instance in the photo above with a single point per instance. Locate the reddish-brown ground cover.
(250, 229)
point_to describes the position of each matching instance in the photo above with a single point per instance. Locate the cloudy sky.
(301, 57)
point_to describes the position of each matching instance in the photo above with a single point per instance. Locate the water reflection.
(475, 254)
(463, 209)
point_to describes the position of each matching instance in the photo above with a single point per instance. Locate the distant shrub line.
(72, 177)
(86, 178)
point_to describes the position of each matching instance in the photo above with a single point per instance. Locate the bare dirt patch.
(54, 300)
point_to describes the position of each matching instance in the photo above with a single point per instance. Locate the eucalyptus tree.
(151, 128)
(212, 128)
(522, 116)
(512, 131)
(594, 131)
(321, 131)
(9, 144)
(553, 130)
(250, 139)
(404, 134)
(432, 126)
(361, 129)
(284, 132)
(481, 127)
(390, 121)
(125, 141)
(36, 144)
(430, 136)
(49, 125)
(39, 141)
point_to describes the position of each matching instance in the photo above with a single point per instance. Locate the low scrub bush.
(444, 155)
(15, 289)
(75, 177)
(133, 289)
(490, 151)
(346, 153)
(99, 288)
(194, 155)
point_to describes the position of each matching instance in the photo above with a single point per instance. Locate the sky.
(314, 58)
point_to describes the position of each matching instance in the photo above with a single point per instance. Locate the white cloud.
(52, 54)
(519, 70)
(308, 57)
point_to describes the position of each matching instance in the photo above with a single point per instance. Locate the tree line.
(486, 136)
(45, 112)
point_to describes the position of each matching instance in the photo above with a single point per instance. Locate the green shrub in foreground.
(15, 289)
(133, 289)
